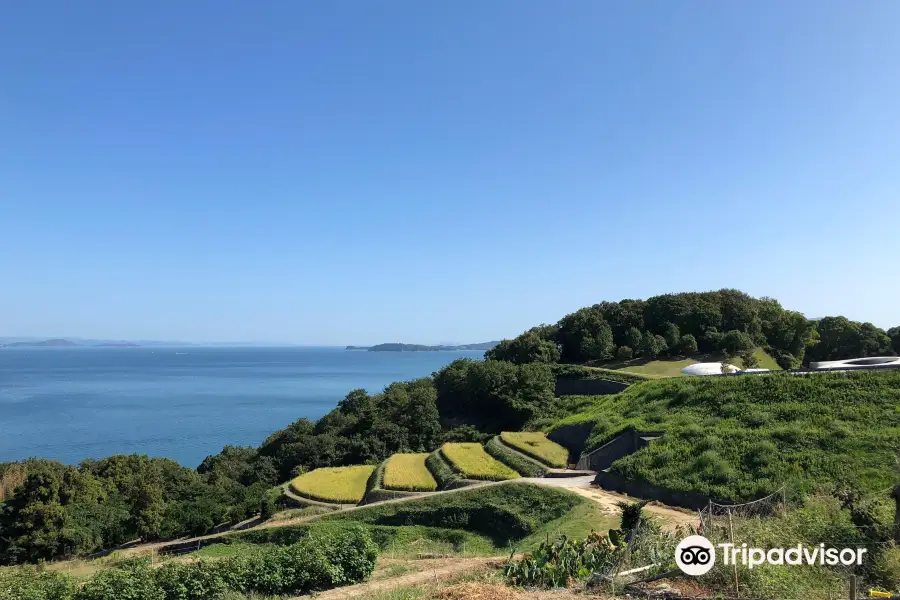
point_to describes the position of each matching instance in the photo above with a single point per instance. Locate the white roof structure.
(712, 368)
(857, 363)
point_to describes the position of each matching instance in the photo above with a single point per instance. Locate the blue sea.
(180, 403)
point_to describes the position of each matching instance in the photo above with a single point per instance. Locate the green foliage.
(734, 342)
(748, 358)
(190, 581)
(561, 562)
(135, 582)
(624, 353)
(687, 345)
(362, 429)
(773, 429)
(529, 347)
(521, 464)
(841, 338)
(60, 510)
(652, 345)
(503, 513)
(494, 395)
(443, 473)
(29, 583)
(894, 334)
(585, 335)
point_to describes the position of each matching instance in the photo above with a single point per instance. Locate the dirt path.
(430, 571)
(670, 518)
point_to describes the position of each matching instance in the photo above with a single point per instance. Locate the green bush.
(443, 473)
(135, 582)
(524, 466)
(503, 513)
(190, 581)
(28, 583)
(321, 559)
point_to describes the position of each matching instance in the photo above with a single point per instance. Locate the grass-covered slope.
(741, 437)
(346, 485)
(503, 513)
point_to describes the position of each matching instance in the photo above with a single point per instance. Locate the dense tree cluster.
(59, 509)
(362, 429)
(493, 395)
(724, 322)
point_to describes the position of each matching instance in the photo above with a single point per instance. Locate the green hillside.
(737, 438)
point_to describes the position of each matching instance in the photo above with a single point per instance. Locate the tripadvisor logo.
(696, 555)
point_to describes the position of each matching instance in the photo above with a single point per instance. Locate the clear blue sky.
(359, 172)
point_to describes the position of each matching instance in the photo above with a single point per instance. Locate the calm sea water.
(179, 403)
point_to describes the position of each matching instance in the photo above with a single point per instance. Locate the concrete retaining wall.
(628, 442)
(574, 386)
(572, 438)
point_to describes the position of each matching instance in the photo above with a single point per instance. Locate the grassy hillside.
(742, 437)
(670, 367)
(481, 520)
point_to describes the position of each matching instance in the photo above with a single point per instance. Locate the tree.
(735, 342)
(651, 347)
(749, 359)
(894, 334)
(624, 353)
(634, 339)
(841, 338)
(897, 514)
(726, 364)
(687, 345)
(672, 336)
(585, 336)
(529, 347)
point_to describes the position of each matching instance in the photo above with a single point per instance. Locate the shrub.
(503, 513)
(28, 583)
(474, 463)
(536, 445)
(190, 581)
(442, 472)
(135, 582)
(624, 353)
(523, 465)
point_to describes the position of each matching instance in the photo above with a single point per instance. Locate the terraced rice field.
(408, 473)
(536, 445)
(474, 463)
(346, 485)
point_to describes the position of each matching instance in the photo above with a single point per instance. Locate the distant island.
(54, 343)
(397, 347)
(61, 343)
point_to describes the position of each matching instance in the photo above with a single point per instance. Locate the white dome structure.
(711, 368)
(858, 363)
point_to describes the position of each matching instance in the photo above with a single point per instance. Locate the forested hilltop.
(49, 510)
(726, 321)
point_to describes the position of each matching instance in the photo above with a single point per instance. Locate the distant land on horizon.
(398, 347)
